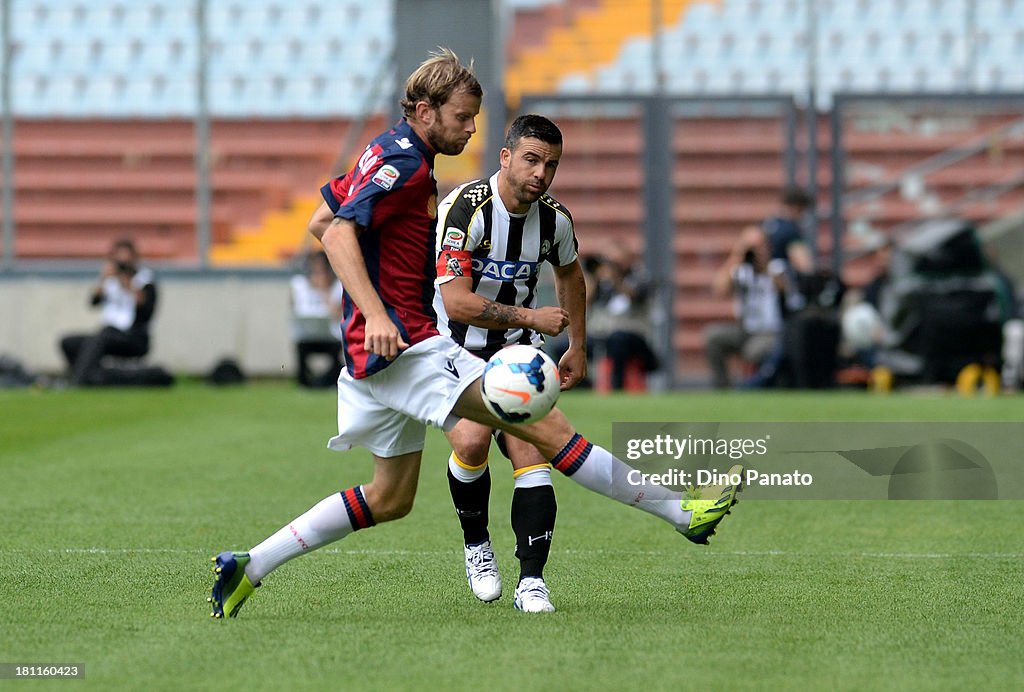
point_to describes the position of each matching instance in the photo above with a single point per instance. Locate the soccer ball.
(520, 384)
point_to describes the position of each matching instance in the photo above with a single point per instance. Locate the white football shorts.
(387, 412)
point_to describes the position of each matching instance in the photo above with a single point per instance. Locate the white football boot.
(532, 596)
(482, 572)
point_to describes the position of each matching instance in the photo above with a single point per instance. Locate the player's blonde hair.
(437, 78)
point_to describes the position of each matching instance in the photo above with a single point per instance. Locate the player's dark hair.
(531, 125)
(437, 79)
(796, 197)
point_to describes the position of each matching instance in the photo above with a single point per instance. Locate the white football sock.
(533, 476)
(464, 473)
(327, 521)
(596, 469)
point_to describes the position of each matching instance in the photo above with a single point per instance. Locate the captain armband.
(454, 263)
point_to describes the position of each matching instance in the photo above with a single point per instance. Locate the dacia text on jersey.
(500, 270)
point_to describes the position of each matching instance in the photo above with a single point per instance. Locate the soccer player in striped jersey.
(400, 373)
(493, 236)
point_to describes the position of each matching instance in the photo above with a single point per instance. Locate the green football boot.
(231, 587)
(708, 505)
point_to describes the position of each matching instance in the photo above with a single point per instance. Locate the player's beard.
(442, 143)
(523, 193)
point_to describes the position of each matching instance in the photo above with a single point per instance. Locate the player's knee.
(473, 453)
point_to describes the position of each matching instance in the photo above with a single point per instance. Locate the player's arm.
(341, 243)
(320, 220)
(462, 305)
(571, 289)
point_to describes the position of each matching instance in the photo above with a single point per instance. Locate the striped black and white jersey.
(504, 252)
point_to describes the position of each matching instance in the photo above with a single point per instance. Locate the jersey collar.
(404, 129)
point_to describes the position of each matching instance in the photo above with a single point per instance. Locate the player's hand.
(383, 338)
(572, 367)
(550, 320)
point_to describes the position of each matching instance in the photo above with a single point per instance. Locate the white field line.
(596, 551)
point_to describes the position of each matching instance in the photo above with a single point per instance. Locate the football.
(520, 384)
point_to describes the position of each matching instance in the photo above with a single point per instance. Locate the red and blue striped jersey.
(391, 193)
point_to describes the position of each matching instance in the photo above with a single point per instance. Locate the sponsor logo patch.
(503, 271)
(404, 143)
(385, 177)
(454, 239)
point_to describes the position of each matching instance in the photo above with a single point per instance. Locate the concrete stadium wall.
(199, 320)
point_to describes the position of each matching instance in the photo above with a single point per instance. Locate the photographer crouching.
(126, 295)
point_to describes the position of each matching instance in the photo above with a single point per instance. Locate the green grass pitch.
(114, 501)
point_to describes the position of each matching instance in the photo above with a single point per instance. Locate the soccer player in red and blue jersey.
(400, 374)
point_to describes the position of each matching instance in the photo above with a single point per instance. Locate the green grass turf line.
(113, 502)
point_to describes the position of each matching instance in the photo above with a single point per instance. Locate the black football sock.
(533, 520)
(471, 499)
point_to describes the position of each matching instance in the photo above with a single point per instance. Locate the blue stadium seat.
(142, 55)
(753, 45)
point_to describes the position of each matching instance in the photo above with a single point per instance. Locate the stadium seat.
(634, 381)
(114, 40)
(135, 59)
(108, 38)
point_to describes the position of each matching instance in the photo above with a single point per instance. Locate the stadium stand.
(760, 46)
(81, 183)
(728, 171)
(103, 92)
(586, 34)
(139, 59)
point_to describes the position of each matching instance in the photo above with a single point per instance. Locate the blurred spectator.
(1012, 375)
(811, 333)
(126, 294)
(863, 328)
(875, 291)
(755, 332)
(805, 354)
(785, 231)
(618, 319)
(316, 321)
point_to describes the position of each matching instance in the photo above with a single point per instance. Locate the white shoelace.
(534, 588)
(481, 561)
